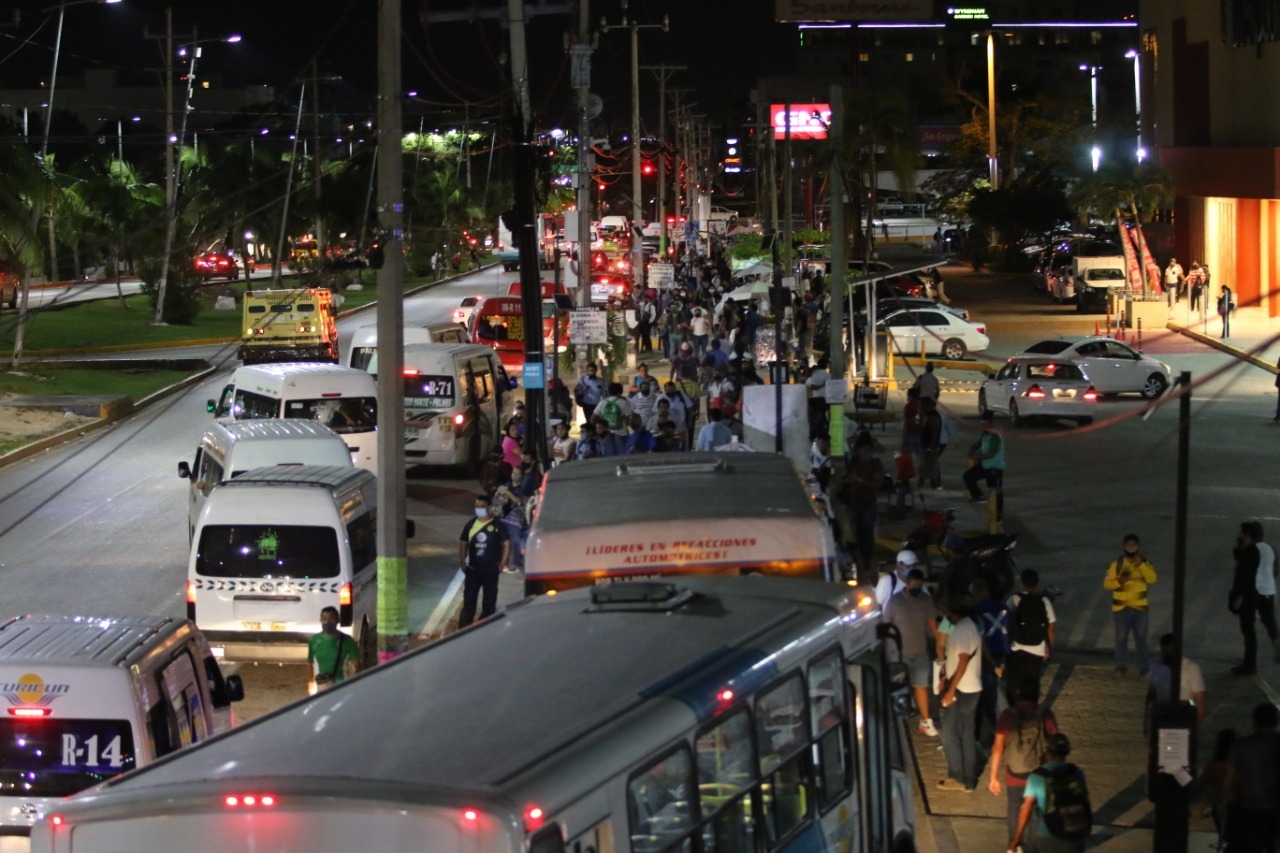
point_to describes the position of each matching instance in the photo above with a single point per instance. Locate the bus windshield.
(422, 391)
(267, 550)
(52, 757)
(340, 414)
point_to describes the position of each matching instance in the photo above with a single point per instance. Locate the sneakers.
(511, 570)
(927, 729)
(950, 784)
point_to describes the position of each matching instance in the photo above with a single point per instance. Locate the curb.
(1222, 346)
(110, 414)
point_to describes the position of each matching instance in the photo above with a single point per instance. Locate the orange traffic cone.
(1097, 333)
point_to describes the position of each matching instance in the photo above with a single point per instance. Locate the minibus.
(364, 343)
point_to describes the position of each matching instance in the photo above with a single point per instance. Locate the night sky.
(453, 66)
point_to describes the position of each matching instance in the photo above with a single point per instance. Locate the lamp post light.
(1136, 56)
(1095, 152)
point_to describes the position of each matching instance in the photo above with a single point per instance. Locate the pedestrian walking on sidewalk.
(931, 444)
(860, 490)
(1190, 682)
(1059, 793)
(1128, 578)
(992, 618)
(1196, 282)
(1173, 280)
(1022, 732)
(1245, 599)
(1032, 632)
(961, 693)
(1253, 786)
(911, 610)
(1226, 304)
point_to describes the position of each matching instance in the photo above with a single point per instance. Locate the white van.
(341, 398)
(226, 451)
(91, 698)
(275, 546)
(364, 343)
(456, 400)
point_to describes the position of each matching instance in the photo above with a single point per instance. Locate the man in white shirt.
(1032, 632)
(1266, 586)
(893, 581)
(961, 692)
(1190, 683)
(1173, 281)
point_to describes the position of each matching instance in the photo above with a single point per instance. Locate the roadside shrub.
(182, 292)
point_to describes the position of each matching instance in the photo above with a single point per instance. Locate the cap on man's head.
(907, 558)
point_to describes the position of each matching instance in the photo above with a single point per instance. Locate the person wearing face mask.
(331, 654)
(911, 609)
(643, 401)
(1128, 578)
(483, 549)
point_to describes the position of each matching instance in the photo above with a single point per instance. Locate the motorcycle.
(986, 556)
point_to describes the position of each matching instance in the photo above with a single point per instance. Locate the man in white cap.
(895, 580)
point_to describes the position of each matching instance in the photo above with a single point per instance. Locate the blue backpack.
(992, 617)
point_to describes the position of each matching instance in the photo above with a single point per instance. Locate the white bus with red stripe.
(709, 715)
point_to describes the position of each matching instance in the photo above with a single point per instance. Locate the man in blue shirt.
(714, 434)
(602, 442)
(1069, 815)
(589, 391)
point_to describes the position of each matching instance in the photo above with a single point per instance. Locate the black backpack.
(1030, 620)
(1067, 813)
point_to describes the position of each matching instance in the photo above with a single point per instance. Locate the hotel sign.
(853, 10)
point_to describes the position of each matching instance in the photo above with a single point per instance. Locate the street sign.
(534, 375)
(588, 327)
(662, 275)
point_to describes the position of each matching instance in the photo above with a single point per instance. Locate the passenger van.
(275, 546)
(228, 450)
(456, 399)
(613, 519)
(498, 322)
(88, 698)
(341, 398)
(364, 343)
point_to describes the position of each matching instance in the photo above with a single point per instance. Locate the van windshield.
(52, 757)
(340, 414)
(423, 391)
(267, 551)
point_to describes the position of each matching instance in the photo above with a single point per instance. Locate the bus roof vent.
(640, 595)
(671, 469)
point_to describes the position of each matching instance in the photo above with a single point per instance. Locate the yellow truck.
(289, 325)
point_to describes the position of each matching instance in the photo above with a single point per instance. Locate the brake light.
(332, 394)
(533, 817)
(1035, 393)
(57, 820)
(982, 330)
(459, 418)
(470, 815)
(411, 371)
(1091, 395)
(30, 712)
(249, 801)
(191, 592)
(344, 595)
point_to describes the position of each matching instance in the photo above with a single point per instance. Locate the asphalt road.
(97, 525)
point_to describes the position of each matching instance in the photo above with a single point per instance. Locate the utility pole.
(317, 161)
(835, 346)
(664, 72)
(580, 77)
(170, 172)
(637, 209)
(393, 560)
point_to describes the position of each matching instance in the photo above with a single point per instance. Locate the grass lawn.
(131, 382)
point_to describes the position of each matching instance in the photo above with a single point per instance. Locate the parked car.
(936, 332)
(463, 312)
(885, 307)
(1034, 386)
(1113, 367)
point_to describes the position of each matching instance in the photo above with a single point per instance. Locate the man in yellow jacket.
(1128, 578)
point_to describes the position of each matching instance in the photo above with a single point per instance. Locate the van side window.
(178, 718)
(209, 472)
(478, 369)
(249, 405)
(361, 532)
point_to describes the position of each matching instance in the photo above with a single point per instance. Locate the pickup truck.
(1092, 279)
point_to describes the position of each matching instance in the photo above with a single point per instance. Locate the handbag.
(325, 679)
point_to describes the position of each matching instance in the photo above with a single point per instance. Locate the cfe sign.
(808, 121)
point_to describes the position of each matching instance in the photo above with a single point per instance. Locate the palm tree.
(118, 210)
(26, 189)
(879, 129)
(1122, 190)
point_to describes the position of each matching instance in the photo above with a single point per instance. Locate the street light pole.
(993, 163)
(1136, 56)
(1095, 152)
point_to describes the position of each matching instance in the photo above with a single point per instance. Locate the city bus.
(498, 322)
(710, 715)
(655, 515)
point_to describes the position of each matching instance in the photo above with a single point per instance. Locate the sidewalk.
(1101, 711)
(1255, 337)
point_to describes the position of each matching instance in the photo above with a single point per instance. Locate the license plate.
(251, 626)
(279, 626)
(1064, 393)
(412, 432)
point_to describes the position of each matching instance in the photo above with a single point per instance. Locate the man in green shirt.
(331, 652)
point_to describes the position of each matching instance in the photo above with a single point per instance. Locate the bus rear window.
(429, 392)
(267, 551)
(501, 327)
(52, 757)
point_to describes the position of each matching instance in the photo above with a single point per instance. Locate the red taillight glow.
(344, 595)
(30, 712)
(725, 696)
(532, 818)
(191, 592)
(411, 371)
(1035, 393)
(470, 815)
(332, 394)
(249, 801)
(1091, 394)
(459, 418)
(982, 330)
(57, 820)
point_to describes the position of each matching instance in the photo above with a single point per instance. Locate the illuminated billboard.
(808, 121)
(882, 11)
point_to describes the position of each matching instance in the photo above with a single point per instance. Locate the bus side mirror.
(184, 470)
(210, 406)
(234, 689)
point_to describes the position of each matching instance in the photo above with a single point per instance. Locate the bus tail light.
(30, 712)
(191, 600)
(411, 371)
(345, 610)
(251, 801)
(459, 419)
(470, 815)
(533, 818)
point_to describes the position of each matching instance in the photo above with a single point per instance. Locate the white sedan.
(936, 332)
(1028, 387)
(463, 312)
(1113, 367)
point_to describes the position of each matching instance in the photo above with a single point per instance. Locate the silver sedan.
(1036, 387)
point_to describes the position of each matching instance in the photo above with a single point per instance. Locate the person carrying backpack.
(1031, 633)
(1021, 733)
(1058, 791)
(992, 618)
(615, 409)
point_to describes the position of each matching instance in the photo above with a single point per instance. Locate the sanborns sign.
(853, 10)
(808, 121)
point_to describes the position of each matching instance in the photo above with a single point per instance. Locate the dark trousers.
(1248, 613)
(475, 581)
(1267, 614)
(1021, 666)
(994, 478)
(1251, 830)
(863, 517)
(958, 742)
(988, 705)
(1014, 795)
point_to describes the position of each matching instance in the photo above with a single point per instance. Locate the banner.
(1148, 262)
(1132, 274)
